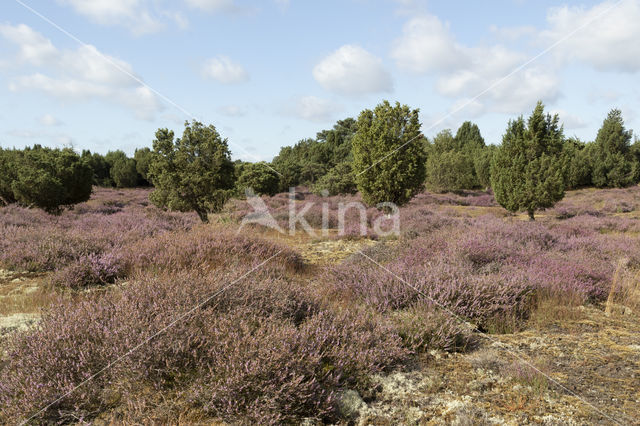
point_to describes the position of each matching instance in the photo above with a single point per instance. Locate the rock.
(350, 404)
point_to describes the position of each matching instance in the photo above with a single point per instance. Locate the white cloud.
(136, 15)
(34, 48)
(570, 121)
(224, 70)
(81, 74)
(311, 108)
(427, 45)
(232, 111)
(464, 72)
(351, 70)
(609, 40)
(48, 120)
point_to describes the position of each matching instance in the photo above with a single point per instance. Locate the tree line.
(382, 154)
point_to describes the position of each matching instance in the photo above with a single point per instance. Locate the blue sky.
(268, 73)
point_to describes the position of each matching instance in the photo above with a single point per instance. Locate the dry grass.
(26, 295)
(624, 296)
(555, 309)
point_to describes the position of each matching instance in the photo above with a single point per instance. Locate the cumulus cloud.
(139, 16)
(428, 45)
(224, 70)
(34, 48)
(464, 72)
(81, 74)
(311, 108)
(568, 120)
(351, 70)
(608, 39)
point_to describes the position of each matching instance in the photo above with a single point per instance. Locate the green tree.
(143, 159)
(578, 159)
(450, 171)
(100, 167)
(8, 174)
(527, 172)
(450, 163)
(192, 173)
(482, 165)
(260, 177)
(468, 137)
(612, 162)
(51, 179)
(339, 180)
(124, 174)
(388, 154)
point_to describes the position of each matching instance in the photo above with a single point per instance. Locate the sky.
(106, 74)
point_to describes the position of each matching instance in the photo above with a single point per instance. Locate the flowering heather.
(283, 342)
(86, 240)
(265, 350)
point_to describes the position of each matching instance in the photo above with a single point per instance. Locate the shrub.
(450, 171)
(263, 351)
(260, 177)
(192, 173)
(527, 172)
(124, 173)
(388, 155)
(50, 179)
(612, 161)
(339, 180)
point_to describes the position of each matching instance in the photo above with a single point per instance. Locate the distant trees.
(388, 154)
(310, 159)
(143, 158)
(527, 172)
(50, 179)
(260, 177)
(191, 173)
(450, 163)
(339, 180)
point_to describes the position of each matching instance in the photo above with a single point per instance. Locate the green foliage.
(143, 159)
(194, 172)
(100, 167)
(612, 160)
(578, 160)
(308, 160)
(468, 137)
(388, 154)
(482, 165)
(260, 177)
(50, 179)
(451, 160)
(123, 173)
(527, 172)
(339, 180)
(8, 174)
(450, 171)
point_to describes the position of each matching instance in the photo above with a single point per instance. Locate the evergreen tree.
(388, 154)
(527, 172)
(50, 179)
(192, 173)
(612, 161)
(260, 177)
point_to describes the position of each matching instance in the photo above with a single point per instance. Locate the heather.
(86, 241)
(282, 339)
(264, 350)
